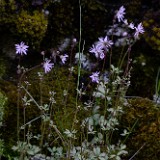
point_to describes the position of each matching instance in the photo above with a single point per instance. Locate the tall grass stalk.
(79, 51)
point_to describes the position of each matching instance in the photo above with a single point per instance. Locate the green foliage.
(152, 27)
(7, 13)
(47, 115)
(9, 116)
(28, 23)
(3, 100)
(31, 26)
(2, 68)
(62, 113)
(133, 8)
(62, 109)
(1, 147)
(145, 115)
(9, 6)
(61, 85)
(57, 83)
(152, 35)
(2, 105)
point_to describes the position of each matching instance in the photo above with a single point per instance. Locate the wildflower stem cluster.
(99, 99)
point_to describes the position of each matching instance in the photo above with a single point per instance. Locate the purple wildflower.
(21, 48)
(125, 21)
(124, 34)
(95, 77)
(63, 58)
(131, 25)
(101, 55)
(139, 30)
(47, 66)
(120, 14)
(105, 43)
(96, 49)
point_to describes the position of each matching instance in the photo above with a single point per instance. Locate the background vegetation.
(43, 25)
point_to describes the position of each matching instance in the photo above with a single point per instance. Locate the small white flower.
(125, 133)
(63, 58)
(120, 14)
(47, 66)
(70, 134)
(139, 30)
(21, 48)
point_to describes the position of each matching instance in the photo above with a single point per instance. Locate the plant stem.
(137, 151)
(79, 58)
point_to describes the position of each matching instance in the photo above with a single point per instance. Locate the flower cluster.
(104, 106)
(120, 17)
(47, 65)
(139, 30)
(101, 47)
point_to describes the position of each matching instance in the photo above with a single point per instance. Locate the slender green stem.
(157, 87)
(121, 54)
(32, 98)
(128, 50)
(138, 151)
(18, 112)
(24, 119)
(60, 135)
(79, 58)
(130, 131)
(28, 123)
(18, 104)
(79, 64)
